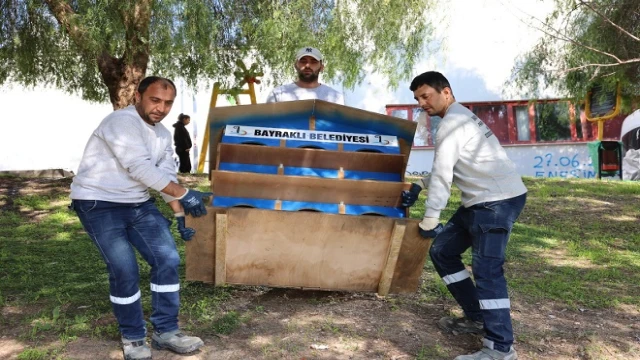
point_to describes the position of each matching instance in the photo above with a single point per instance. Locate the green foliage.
(585, 43)
(60, 43)
(552, 121)
(33, 354)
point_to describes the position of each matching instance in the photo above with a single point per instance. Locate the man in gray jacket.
(468, 154)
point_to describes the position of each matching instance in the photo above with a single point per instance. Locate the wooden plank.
(312, 122)
(200, 251)
(301, 188)
(392, 259)
(413, 254)
(306, 249)
(221, 249)
(323, 159)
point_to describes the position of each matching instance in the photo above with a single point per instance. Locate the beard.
(308, 77)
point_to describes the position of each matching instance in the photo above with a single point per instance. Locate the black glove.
(431, 234)
(185, 233)
(193, 202)
(410, 196)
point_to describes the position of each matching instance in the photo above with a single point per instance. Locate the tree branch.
(136, 21)
(624, 62)
(64, 14)
(563, 37)
(607, 19)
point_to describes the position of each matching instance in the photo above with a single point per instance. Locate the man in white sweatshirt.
(128, 153)
(468, 154)
(309, 64)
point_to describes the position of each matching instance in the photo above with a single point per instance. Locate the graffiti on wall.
(577, 165)
(541, 161)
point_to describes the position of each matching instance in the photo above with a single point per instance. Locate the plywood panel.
(411, 259)
(299, 188)
(221, 249)
(323, 159)
(200, 250)
(394, 250)
(309, 250)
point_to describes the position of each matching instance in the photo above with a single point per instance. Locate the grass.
(576, 243)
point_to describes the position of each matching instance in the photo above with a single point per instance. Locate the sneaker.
(490, 354)
(136, 349)
(459, 326)
(176, 341)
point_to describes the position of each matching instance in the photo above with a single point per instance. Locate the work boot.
(490, 354)
(175, 341)
(459, 326)
(136, 349)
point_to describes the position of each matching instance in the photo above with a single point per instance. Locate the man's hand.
(192, 202)
(429, 228)
(410, 196)
(185, 233)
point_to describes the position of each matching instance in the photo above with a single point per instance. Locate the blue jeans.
(118, 228)
(484, 227)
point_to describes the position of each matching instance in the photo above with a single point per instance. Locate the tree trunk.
(122, 79)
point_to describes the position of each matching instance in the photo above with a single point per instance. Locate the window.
(495, 117)
(552, 121)
(522, 122)
(400, 113)
(421, 137)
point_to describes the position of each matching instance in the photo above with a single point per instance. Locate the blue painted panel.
(288, 121)
(301, 171)
(306, 205)
(227, 201)
(372, 148)
(249, 140)
(252, 168)
(311, 144)
(370, 175)
(380, 210)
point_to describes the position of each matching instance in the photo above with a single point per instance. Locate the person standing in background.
(309, 64)
(182, 142)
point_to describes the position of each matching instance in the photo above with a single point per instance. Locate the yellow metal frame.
(217, 91)
(602, 119)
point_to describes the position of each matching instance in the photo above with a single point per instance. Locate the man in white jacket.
(468, 154)
(128, 153)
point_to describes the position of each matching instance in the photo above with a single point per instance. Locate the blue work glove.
(193, 202)
(185, 233)
(410, 196)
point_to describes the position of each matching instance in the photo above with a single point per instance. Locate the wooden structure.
(322, 249)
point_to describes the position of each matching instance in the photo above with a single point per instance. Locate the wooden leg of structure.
(221, 249)
(394, 250)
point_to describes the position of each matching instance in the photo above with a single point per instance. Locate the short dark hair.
(432, 79)
(181, 117)
(146, 82)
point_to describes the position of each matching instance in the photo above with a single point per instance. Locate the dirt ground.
(299, 324)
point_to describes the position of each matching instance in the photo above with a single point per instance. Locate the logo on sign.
(380, 140)
(237, 131)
